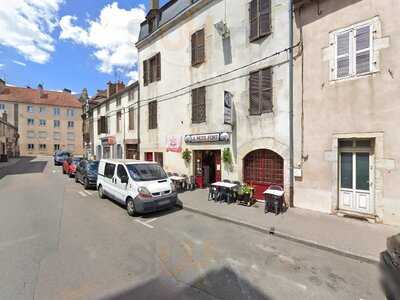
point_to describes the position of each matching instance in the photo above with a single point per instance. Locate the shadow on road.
(224, 283)
(24, 166)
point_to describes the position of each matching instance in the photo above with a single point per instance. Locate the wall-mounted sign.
(110, 140)
(227, 108)
(174, 143)
(207, 138)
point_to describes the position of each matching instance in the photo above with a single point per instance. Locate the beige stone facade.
(347, 114)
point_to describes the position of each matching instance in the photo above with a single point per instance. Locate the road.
(58, 241)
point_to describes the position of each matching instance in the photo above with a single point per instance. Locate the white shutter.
(363, 49)
(343, 54)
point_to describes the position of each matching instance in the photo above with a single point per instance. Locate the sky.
(71, 44)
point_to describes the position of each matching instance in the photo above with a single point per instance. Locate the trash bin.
(390, 268)
(273, 199)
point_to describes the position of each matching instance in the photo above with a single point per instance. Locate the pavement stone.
(345, 236)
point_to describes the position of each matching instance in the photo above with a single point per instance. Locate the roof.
(102, 99)
(166, 13)
(32, 96)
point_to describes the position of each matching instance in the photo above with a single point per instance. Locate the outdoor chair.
(236, 190)
(213, 193)
(273, 202)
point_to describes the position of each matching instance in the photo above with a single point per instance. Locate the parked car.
(69, 165)
(390, 268)
(142, 186)
(60, 156)
(86, 173)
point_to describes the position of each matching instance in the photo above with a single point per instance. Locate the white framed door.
(356, 181)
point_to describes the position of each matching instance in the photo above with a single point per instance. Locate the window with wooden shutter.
(363, 49)
(158, 67)
(153, 115)
(343, 54)
(198, 47)
(152, 69)
(199, 105)
(146, 72)
(261, 91)
(259, 18)
(99, 126)
(119, 121)
(131, 118)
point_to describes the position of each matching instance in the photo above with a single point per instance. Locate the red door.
(148, 156)
(262, 168)
(217, 155)
(198, 169)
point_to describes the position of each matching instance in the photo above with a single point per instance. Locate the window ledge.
(354, 77)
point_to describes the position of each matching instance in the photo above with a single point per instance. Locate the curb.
(277, 233)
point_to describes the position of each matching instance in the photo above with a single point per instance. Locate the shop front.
(207, 162)
(108, 144)
(131, 149)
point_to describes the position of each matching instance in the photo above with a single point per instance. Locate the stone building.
(8, 137)
(347, 91)
(214, 81)
(47, 121)
(115, 130)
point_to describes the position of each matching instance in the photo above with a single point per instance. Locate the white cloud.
(133, 76)
(112, 36)
(1, 66)
(26, 25)
(19, 63)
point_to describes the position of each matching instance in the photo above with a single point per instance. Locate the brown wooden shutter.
(255, 93)
(146, 72)
(202, 104)
(266, 90)
(131, 118)
(158, 67)
(153, 115)
(194, 47)
(194, 106)
(98, 126)
(253, 17)
(264, 17)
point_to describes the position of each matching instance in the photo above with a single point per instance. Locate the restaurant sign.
(207, 138)
(110, 140)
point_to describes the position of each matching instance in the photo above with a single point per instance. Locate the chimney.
(40, 89)
(154, 4)
(111, 89)
(4, 116)
(2, 85)
(119, 86)
(67, 91)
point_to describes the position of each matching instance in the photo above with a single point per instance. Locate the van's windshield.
(146, 172)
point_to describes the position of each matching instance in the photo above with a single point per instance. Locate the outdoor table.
(224, 185)
(276, 201)
(178, 179)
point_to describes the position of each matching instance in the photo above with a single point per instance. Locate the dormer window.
(152, 23)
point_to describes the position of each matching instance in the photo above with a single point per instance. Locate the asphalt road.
(58, 241)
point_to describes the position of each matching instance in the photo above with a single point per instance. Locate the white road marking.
(148, 222)
(82, 194)
(145, 224)
(20, 240)
(89, 193)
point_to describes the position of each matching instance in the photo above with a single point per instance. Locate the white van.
(140, 185)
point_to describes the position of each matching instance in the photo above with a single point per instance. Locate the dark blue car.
(60, 156)
(86, 173)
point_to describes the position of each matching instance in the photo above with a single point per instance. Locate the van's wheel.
(101, 193)
(86, 183)
(130, 207)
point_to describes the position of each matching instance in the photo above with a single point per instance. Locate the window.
(261, 91)
(29, 108)
(131, 118)
(71, 148)
(118, 101)
(42, 147)
(131, 95)
(70, 112)
(70, 136)
(30, 134)
(353, 51)
(56, 135)
(199, 105)
(198, 51)
(98, 110)
(56, 147)
(70, 124)
(121, 172)
(109, 170)
(42, 134)
(42, 109)
(107, 105)
(42, 122)
(152, 69)
(153, 115)
(158, 157)
(146, 172)
(260, 18)
(31, 147)
(56, 123)
(31, 122)
(56, 111)
(119, 121)
(2, 106)
(102, 125)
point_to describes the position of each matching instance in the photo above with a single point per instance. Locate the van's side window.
(121, 171)
(109, 170)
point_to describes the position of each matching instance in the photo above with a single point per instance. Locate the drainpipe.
(291, 130)
(138, 121)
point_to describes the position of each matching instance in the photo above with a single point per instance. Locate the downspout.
(138, 121)
(291, 129)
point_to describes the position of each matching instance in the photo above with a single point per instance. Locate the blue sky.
(70, 43)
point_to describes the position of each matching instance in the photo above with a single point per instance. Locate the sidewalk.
(353, 238)
(10, 162)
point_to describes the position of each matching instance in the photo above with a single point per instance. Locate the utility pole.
(291, 129)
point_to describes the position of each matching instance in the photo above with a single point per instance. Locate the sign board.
(207, 138)
(110, 140)
(174, 143)
(227, 108)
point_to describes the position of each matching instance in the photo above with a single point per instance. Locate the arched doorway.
(262, 168)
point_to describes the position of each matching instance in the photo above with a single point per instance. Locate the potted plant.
(227, 156)
(245, 193)
(187, 155)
